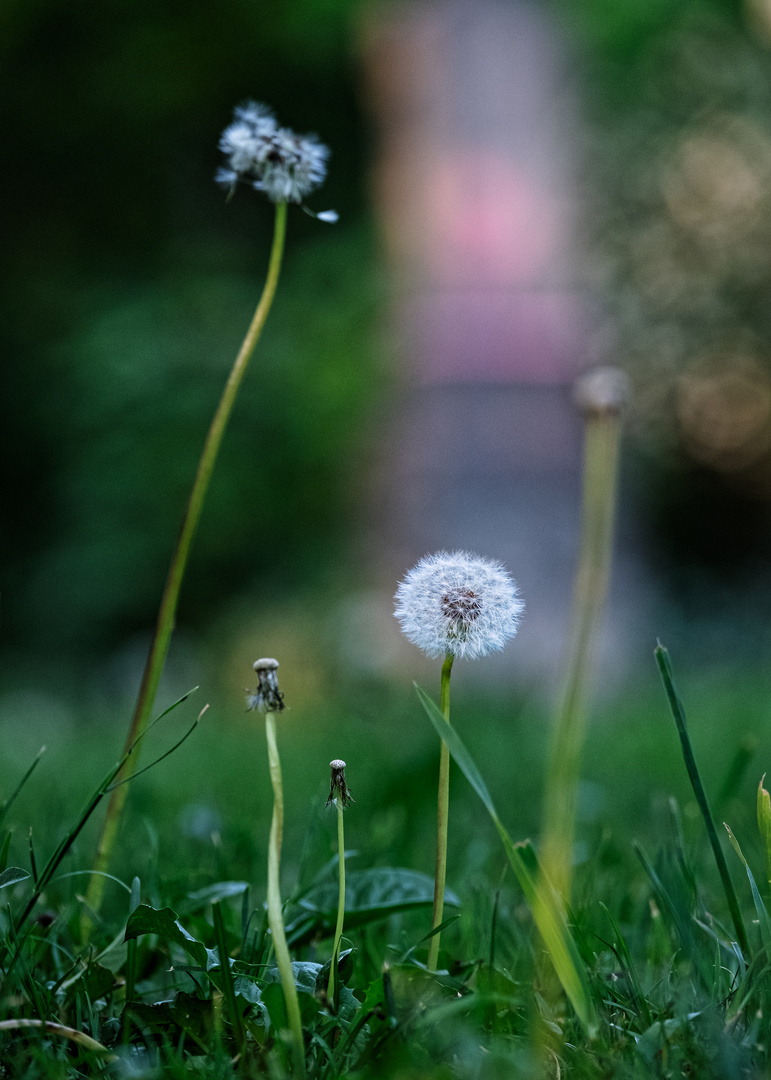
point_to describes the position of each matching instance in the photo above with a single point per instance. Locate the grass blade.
(228, 989)
(8, 803)
(760, 907)
(678, 714)
(764, 824)
(546, 910)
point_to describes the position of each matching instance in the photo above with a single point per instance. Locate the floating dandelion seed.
(458, 604)
(267, 697)
(273, 159)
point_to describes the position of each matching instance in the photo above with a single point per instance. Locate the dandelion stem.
(275, 915)
(168, 608)
(340, 898)
(443, 809)
(601, 452)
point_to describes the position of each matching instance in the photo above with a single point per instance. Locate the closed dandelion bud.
(338, 788)
(267, 697)
(458, 604)
(602, 390)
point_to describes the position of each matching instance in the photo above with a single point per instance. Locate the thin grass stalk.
(600, 475)
(275, 914)
(228, 987)
(167, 612)
(340, 898)
(678, 714)
(442, 818)
(132, 947)
(50, 868)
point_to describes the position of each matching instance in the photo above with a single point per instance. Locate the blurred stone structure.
(477, 198)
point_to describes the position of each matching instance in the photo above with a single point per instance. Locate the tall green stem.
(275, 914)
(168, 608)
(442, 815)
(340, 898)
(601, 453)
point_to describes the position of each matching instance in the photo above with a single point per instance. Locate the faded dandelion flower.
(267, 697)
(338, 788)
(602, 390)
(273, 159)
(459, 604)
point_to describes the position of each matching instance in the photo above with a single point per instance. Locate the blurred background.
(525, 189)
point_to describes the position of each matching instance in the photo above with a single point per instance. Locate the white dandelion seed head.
(459, 604)
(295, 166)
(240, 147)
(285, 166)
(259, 117)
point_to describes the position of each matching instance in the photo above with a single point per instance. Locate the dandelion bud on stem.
(269, 700)
(340, 795)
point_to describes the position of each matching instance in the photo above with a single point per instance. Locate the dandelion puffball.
(285, 166)
(458, 604)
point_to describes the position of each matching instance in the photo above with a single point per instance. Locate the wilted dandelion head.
(270, 158)
(338, 787)
(459, 604)
(602, 390)
(267, 697)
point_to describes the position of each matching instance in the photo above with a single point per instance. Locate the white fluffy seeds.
(271, 158)
(459, 604)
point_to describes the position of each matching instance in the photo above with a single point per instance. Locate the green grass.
(649, 918)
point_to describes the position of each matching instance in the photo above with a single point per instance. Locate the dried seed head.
(602, 390)
(455, 603)
(267, 697)
(266, 664)
(338, 788)
(272, 159)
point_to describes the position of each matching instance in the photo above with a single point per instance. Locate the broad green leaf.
(308, 980)
(221, 890)
(98, 981)
(373, 894)
(164, 923)
(764, 823)
(12, 875)
(760, 907)
(545, 906)
(344, 969)
(275, 1003)
(185, 1012)
(305, 975)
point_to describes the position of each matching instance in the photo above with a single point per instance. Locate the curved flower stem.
(168, 609)
(275, 915)
(340, 899)
(443, 809)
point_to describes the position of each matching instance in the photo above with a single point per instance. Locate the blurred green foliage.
(129, 284)
(678, 185)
